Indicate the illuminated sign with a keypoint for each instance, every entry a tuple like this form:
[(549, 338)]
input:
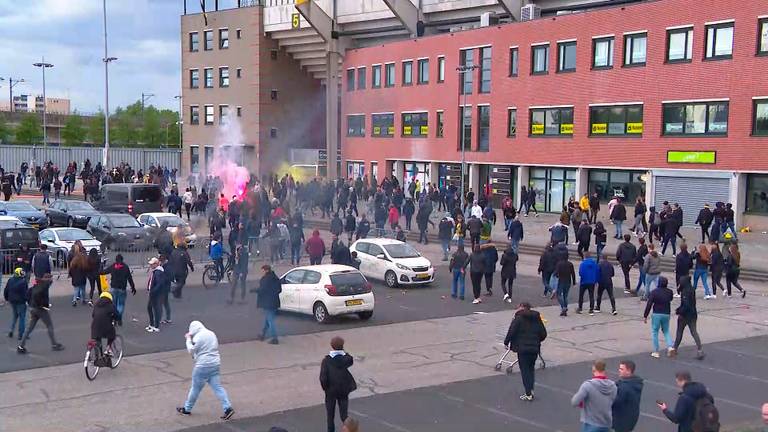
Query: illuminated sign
[(692, 157)]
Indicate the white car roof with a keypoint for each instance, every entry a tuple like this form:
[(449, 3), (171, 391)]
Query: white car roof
[(10, 218), (326, 268), (157, 214), (380, 241)]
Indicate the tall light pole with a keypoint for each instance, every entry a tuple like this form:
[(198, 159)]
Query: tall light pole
[(107, 60), (181, 121), (43, 65), (463, 69)]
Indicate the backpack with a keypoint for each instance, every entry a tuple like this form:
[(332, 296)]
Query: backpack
[(706, 418)]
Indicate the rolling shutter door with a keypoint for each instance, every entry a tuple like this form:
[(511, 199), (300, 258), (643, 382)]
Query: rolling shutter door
[(692, 193)]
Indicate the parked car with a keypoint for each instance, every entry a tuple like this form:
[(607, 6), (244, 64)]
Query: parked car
[(131, 198), (60, 240), (70, 213), (119, 231), (25, 212), (394, 262), (327, 290), (10, 221), (172, 221), (13, 235)]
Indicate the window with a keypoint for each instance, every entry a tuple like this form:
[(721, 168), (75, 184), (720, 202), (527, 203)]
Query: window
[(616, 120), (383, 125), (552, 121), (485, 70), (757, 194), (483, 127), (679, 45), (465, 129), (696, 118), (194, 41), (356, 125), (223, 38), (441, 68), (540, 59), (602, 53), (209, 114), (389, 75), (194, 78), (376, 78), (208, 77), (239, 34), (634, 49), (223, 113), (361, 78), (350, 79), (415, 125), (423, 71), (514, 61), (194, 159), (719, 41), (566, 56), (239, 111), (223, 77), (273, 94), (762, 36), (273, 132), (239, 72), (760, 120), (208, 43), (466, 58), (440, 124), (273, 54), (194, 114), (511, 122), (407, 73)]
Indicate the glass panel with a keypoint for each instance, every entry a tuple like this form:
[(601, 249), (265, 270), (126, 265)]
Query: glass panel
[(361, 78), (724, 41), (620, 176), (194, 159), (389, 73), (638, 49), (441, 69), (350, 79), (598, 176), (467, 60), (677, 45), (467, 131), (616, 125), (483, 135), (552, 122), (423, 71), (763, 35), (570, 189), (710, 41), (376, 76), (718, 118), (567, 56), (511, 122), (539, 173), (761, 117), (695, 119), (407, 73), (540, 59), (603, 53), (757, 193), (556, 173), (674, 116), (537, 122), (485, 70), (514, 61), (556, 194)]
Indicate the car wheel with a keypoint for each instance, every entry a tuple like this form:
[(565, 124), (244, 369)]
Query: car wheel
[(320, 312), (390, 278), (365, 316), (60, 260), (70, 222)]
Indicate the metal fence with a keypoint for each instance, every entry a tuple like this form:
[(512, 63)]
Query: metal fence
[(11, 156)]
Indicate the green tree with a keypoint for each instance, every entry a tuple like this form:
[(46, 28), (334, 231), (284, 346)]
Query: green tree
[(169, 119), (29, 130), (152, 131), (96, 129), (74, 132), (5, 131)]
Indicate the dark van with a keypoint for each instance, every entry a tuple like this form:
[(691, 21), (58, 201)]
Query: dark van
[(12, 237), (131, 198)]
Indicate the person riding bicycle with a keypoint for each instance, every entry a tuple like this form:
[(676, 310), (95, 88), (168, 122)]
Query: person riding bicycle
[(104, 317), (216, 253)]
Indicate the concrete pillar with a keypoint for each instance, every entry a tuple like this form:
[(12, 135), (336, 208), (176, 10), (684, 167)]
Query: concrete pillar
[(332, 108), (737, 196), (400, 171), (474, 179), (523, 176), (434, 172), (582, 182), (650, 190)]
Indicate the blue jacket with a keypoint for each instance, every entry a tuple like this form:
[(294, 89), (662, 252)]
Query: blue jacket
[(16, 290), (216, 251), (589, 272)]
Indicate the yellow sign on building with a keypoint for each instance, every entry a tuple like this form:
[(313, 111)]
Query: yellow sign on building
[(424, 130), (407, 130), (537, 129), (295, 20), (634, 128), (566, 129), (599, 128)]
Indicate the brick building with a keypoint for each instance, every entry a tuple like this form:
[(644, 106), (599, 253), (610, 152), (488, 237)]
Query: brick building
[(662, 99)]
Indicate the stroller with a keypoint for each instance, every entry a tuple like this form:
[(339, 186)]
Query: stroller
[(503, 360)]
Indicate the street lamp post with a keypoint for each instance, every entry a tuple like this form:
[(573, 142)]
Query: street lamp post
[(463, 69), (43, 65), (181, 121), (11, 84), (106, 60)]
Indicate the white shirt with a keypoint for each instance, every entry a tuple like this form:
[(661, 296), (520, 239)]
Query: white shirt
[(477, 211)]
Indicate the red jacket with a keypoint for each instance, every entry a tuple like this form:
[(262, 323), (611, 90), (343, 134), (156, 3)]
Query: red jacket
[(315, 246), (394, 215)]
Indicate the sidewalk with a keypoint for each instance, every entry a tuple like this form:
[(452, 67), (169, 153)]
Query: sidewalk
[(262, 379)]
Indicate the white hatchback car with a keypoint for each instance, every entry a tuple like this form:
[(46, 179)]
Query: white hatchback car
[(393, 261), (173, 222), (327, 290)]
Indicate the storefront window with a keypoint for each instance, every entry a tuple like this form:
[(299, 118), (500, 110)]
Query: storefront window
[(553, 187), (757, 193), (416, 171), (355, 170), (609, 183)]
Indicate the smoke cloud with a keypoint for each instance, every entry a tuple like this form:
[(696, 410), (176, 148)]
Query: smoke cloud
[(228, 157)]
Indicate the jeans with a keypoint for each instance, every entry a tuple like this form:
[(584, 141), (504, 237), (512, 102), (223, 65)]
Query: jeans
[(660, 321), (20, 315), (545, 277), (446, 244), (586, 427), (210, 375), (238, 280), (506, 285), (669, 237), (79, 293), (269, 323), (562, 294), (118, 296), (295, 253), (458, 281), (608, 288), (625, 268), (618, 224), (639, 289), (590, 290), (514, 244), (682, 322), (651, 283), (527, 364), (154, 309), (330, 409), (600, 247), (701, 273)]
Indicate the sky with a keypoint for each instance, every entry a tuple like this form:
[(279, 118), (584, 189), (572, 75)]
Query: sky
[(143, 35)]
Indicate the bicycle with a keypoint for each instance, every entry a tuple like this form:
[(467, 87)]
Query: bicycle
[(211, 276), (96, 358)]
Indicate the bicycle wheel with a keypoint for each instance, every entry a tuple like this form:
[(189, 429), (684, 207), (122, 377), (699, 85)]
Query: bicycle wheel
[(117, 351), (89, 364), (210, 278)]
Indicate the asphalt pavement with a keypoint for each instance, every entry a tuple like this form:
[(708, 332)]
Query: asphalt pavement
[(734, 373)]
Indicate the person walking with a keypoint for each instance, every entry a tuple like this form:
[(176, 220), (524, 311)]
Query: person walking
[(652, 269), (547, 263), (642, 253), (618, 216), (445, 232), (704, 221), (701, 259), (566, 278), (660, 300), (296, 235), (337, 382), (583, 237), (670, 229), (626, 406), (524, 337), (476, 272), (626, 255), (683, 263), (41, 262), (156, 286), (458, 268), (654, 225), (120, 278), (686, 317), (589, 275), (515, 232), (189, 199), (733, 269), (179, 264), (92, 274), (595, 398), (508, 272), (204, 347), (475, 228), (39, 310), (78, 272), (315, 248), (239, 274), (694, 405), (422, 220), (640, 226), (716, 267), (15, 293), (594, 208), (268, 299), (601, 237), (491, 258), (605, 284)]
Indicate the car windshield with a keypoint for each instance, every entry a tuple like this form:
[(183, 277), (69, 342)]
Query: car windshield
[(79, 205), (19, 206), (172, 221), (73, 234), (403, 250), (123, 221)]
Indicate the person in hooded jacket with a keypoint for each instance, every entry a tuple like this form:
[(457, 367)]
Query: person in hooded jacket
[(268, 299), (524, 337), (589, 275), (78, 272), (444, 233), (704, 220), (618, 216), (605, 283), (363, 228), (422, 220), (476, 272), (626, 255), (239, 274), (350, 225), (120, 279), (691, 393), (408, 211), (94, 266), (491, 258), (660, 300), (179, 265), (315, 248), (336, 381), (508, 272), (626, 406), (546, 268), (595, 398), (716, 266), (39, 306), (337, 226), (652, 269), (515, 232), (157, 285), (687, 316), (204, 347), (340, 254), (601, 237), (566, 277), (683, 263), (296, 234), (103, 317), (583, 237), (15, 293), (41, 262)]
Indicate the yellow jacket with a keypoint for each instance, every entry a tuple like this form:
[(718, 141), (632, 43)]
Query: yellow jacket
[(584, 203)]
